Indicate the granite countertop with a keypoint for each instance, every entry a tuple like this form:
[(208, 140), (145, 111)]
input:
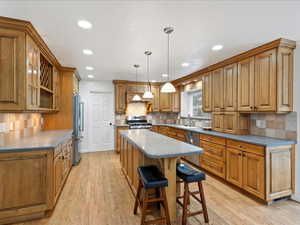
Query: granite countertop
[(41, 141), (155, 145), (251, 139), (121, 125)]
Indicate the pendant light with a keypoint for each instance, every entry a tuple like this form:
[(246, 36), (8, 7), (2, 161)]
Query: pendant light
[(148, 94), (136, 97), (168, 87)]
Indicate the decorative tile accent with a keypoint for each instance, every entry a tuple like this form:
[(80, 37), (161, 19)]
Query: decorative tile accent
[(17, 125)]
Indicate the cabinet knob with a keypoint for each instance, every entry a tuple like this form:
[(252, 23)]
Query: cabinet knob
[(240, 154)]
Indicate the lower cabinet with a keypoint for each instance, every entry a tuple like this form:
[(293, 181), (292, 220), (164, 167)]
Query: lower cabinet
[(31, 182), (118, 137)]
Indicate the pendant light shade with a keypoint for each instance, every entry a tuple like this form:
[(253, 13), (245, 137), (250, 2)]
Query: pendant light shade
[(148, 94), (136, 97), (168, 87)]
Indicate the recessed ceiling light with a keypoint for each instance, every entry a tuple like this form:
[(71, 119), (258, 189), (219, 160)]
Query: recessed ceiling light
[(153, 81), (185, 64), (89, 68), (217, 47), (165, 75), (91, 76), (84, 24), (87, 51)]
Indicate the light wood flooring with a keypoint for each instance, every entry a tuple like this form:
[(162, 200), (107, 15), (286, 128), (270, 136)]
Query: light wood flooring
[(96, 193)]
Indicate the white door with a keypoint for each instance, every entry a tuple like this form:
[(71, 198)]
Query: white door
[(100, 119)]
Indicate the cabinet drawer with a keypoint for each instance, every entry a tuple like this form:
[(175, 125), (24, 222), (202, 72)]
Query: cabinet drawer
[(213, 150), (214, 166), (256, 149), (213, 139)]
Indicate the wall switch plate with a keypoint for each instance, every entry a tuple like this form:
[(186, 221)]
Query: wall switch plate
[(261, 123)]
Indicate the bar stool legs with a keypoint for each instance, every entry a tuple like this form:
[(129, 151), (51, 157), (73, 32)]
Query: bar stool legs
[(186, 196)]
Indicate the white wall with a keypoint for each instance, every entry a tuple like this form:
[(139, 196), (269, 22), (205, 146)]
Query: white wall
[(85, 87), (297, 109)]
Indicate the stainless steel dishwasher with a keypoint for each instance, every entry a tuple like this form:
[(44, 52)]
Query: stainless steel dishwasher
[(193, 138)]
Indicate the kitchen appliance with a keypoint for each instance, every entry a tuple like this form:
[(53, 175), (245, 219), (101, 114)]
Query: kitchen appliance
[(78, 127), (138, 122)]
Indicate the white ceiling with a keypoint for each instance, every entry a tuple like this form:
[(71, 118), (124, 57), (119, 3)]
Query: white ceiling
[(123, 30)]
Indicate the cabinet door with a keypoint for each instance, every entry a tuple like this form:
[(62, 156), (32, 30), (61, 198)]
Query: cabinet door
[(285, 76), (230, 88), (12, 70), (155, 101), (265, 81), (165, 102), (176, 101), (234, 166), (207, 93), (120, 93), (246, 85), (218, 90), (58, 174), (33, 74), (218, 121), (230, 122), (254, 174)]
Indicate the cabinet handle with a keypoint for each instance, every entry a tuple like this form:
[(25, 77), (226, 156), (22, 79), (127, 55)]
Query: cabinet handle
[(240, 154), (240, 146)]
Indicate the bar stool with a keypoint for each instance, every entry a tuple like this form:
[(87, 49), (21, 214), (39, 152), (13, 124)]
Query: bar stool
[(150, 178), (187, 176)]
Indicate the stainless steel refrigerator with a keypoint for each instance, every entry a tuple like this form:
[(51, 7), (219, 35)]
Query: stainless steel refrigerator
[(78, 127)]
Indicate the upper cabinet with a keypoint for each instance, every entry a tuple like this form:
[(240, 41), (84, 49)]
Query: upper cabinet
[(246, 85), (207, 92), (161, 102), (230, 88), (218, 90), (12, 69), (29, 72)]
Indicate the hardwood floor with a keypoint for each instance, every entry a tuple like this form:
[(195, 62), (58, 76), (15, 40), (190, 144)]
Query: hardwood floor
[(96, 193)]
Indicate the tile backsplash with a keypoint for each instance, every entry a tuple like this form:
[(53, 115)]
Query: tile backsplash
[(17, 125), (154, 118), (275, 125)]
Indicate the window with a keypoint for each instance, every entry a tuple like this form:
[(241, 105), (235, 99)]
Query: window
[(191, 103)]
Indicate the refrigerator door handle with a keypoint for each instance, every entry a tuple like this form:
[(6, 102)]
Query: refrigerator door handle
[(81, 116)]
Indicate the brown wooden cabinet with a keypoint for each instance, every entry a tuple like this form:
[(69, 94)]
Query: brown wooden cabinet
[(56, 89), (31, 182), (12, 70), (207, 93), (176, 101), (246, 85), (155, 101), (120, 98), (218, 90), (118, 137), (234, 166), (230, 122), (230, 88), (165, 102), (265, 81)]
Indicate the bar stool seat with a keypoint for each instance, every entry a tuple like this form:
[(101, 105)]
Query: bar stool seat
[(188, 174), (152, 177)]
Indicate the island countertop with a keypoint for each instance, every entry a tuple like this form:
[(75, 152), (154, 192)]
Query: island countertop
[(155, 145), (43, 140)]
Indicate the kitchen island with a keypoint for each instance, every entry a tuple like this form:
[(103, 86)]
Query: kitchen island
[(142, 147)]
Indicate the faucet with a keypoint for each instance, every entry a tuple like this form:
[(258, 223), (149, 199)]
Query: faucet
[(190, 122)]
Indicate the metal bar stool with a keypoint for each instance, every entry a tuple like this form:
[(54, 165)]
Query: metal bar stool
[(187, 176), (150, 178)]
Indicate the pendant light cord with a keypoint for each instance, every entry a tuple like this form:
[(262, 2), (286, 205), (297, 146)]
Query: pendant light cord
[(148, 73), (168, 58)]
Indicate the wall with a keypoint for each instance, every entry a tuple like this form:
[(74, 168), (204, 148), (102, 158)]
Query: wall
[(85, 87), (297, 109), (17, 125)]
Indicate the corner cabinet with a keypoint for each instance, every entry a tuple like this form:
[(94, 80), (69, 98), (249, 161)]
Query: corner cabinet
[(32, 182), (26, 73)]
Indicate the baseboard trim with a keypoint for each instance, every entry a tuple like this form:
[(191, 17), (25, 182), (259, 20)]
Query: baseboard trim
[(296, 197)]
